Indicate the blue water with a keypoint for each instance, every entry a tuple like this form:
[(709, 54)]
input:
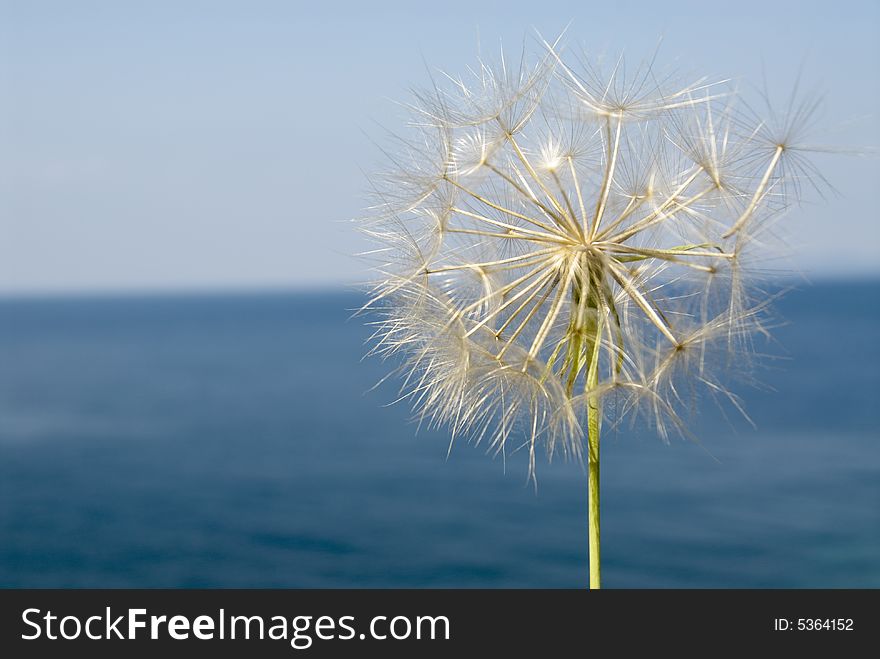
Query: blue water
[(232, 441)]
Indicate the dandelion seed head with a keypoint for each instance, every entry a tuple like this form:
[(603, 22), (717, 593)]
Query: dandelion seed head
[(554, 232)]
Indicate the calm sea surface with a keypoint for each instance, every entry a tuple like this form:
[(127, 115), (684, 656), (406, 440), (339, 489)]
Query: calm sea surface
[(232, 441)]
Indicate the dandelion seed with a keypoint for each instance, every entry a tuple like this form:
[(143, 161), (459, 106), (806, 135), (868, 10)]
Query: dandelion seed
[(554, 236)]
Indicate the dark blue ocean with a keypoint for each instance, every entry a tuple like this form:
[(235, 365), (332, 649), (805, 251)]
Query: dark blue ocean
[(232, 441)]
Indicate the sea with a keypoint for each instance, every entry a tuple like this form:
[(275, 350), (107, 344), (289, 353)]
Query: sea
[(238, 440)]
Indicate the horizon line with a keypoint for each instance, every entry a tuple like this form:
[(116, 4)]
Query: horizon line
[(236, 290)]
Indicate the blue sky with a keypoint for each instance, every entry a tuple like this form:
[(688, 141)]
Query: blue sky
[(186, 145)]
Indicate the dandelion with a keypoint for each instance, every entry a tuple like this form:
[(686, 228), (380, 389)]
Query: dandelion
[(562, 246)]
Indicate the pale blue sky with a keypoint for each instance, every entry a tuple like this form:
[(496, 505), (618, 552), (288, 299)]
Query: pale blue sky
[(157, 145)]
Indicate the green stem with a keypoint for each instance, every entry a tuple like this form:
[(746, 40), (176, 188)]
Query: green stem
[(594, 422), (593, 417), (585, 341)]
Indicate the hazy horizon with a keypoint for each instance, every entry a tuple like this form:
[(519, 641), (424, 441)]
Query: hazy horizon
[(794, 281)]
